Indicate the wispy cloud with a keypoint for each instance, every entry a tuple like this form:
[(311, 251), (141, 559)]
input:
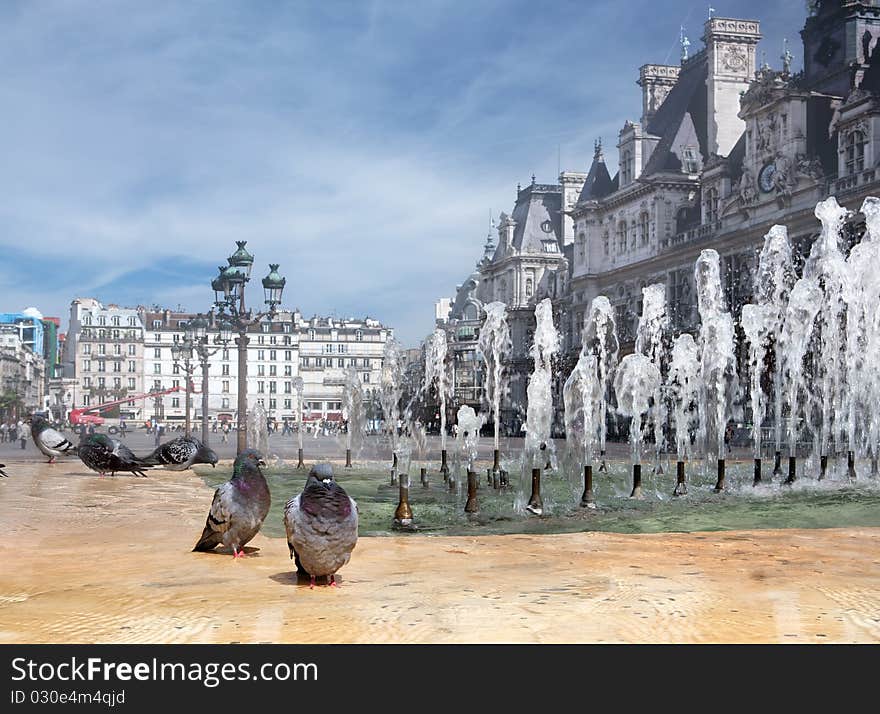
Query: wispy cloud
[(359, 144)]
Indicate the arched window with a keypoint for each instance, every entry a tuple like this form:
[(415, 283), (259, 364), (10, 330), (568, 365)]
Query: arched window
[(855, 152), (644, 228)]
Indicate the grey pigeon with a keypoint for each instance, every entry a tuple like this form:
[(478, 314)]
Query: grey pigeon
[(322, 525), (239, 508), (50, 441), (181, 453), (106, 455), (2, 472)]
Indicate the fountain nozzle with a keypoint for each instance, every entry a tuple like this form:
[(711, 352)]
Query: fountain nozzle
[(536, 504)]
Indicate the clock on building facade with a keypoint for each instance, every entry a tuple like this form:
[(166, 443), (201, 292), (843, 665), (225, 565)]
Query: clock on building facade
[(765, 178)]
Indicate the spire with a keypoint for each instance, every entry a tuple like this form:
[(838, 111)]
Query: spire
[(597, 150), (598, 183)]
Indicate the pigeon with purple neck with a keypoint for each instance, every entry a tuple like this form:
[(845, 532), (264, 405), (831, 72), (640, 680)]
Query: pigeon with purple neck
[(239, 508), (322, 526)]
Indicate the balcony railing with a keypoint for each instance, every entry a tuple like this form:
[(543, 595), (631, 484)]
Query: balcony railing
[(698, 233), (840, 186)]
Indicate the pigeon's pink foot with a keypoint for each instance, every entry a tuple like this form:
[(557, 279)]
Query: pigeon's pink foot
[(51, 459), (238, 553), (312, 583), (333, 581)]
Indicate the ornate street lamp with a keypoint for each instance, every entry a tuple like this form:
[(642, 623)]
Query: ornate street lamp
[(229, 289), (197, 333), (182, 351)]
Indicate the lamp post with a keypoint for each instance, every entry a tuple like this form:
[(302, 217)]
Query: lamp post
[(299, 386), (182, 352), (199, 327), (229, 289)]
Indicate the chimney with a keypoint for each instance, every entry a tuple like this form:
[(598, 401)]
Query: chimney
[(656, 80)]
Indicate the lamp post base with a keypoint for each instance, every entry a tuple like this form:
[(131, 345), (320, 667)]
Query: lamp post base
[(300, 464)]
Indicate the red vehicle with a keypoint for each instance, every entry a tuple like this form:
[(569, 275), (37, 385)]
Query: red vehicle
[(82, 417)]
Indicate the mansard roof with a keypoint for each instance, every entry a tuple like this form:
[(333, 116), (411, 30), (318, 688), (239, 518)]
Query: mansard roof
[(682, 119), (538, 218)]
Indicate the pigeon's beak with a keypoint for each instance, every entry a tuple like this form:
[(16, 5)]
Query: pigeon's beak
[(327, 482)]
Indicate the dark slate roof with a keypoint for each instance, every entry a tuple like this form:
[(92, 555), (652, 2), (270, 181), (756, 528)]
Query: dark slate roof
[(598, 183), (736, 158), (536, 206), (681, 120)]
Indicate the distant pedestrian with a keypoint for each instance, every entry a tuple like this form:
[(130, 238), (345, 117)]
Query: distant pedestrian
[(224, 437), (22, 434), (122, 427)]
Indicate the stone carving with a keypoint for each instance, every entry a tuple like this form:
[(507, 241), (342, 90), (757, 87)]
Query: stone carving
[(809, 167), (734, 60), (748, 190), (765, 134)]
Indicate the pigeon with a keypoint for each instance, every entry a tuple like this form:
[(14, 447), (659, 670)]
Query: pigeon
[(322, 526), (181, 453), (239, 508), (105, 455), (2, 472), (51, 442)]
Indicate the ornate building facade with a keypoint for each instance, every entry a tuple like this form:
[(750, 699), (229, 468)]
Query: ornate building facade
[(723, 150)]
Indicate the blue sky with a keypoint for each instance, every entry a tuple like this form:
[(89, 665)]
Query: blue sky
[(362, 145)]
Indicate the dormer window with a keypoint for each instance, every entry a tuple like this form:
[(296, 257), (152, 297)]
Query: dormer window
[(550, 246), (691, 163)]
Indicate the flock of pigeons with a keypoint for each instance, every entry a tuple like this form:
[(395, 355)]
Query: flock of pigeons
[(321, 522)]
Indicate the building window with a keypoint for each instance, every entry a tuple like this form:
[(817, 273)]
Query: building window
[(359, 336), (621, 236), (157, 324), (157, 352), (287, 339), (117, 366), (273, 387), (101, 382), (266, 327), (644, 228), (272, 403), (87, 382), (175, 402), (224, 403), (102, 349), (288, 370), (366, 377), (273, 355), (225, 388), (530, 287), (288, 387), (157, 368), (712, 205), (132, 366), (286, 328), (261, 387), (102, 366), (114, 320), (288, 355), (102, 320), (261, 354), (117, 383), (319, 362), (117, 349), (131, 383), (273, 340), (272, 370), (87, 349), (691, 163), (225, 370), (287, 403), (855, 152), (86, 400), (132, 321), (626, 172)]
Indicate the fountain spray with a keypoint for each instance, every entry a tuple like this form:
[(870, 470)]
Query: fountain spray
[(636, 381), (389, 397), (494, 346), (718, 378), (353, 405), (539, 413), (684, 371), (436, 374)]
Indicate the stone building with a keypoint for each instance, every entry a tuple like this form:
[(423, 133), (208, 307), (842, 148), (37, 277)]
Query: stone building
[(22, 374), (317, 349), (723, 150), (104, 353)]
